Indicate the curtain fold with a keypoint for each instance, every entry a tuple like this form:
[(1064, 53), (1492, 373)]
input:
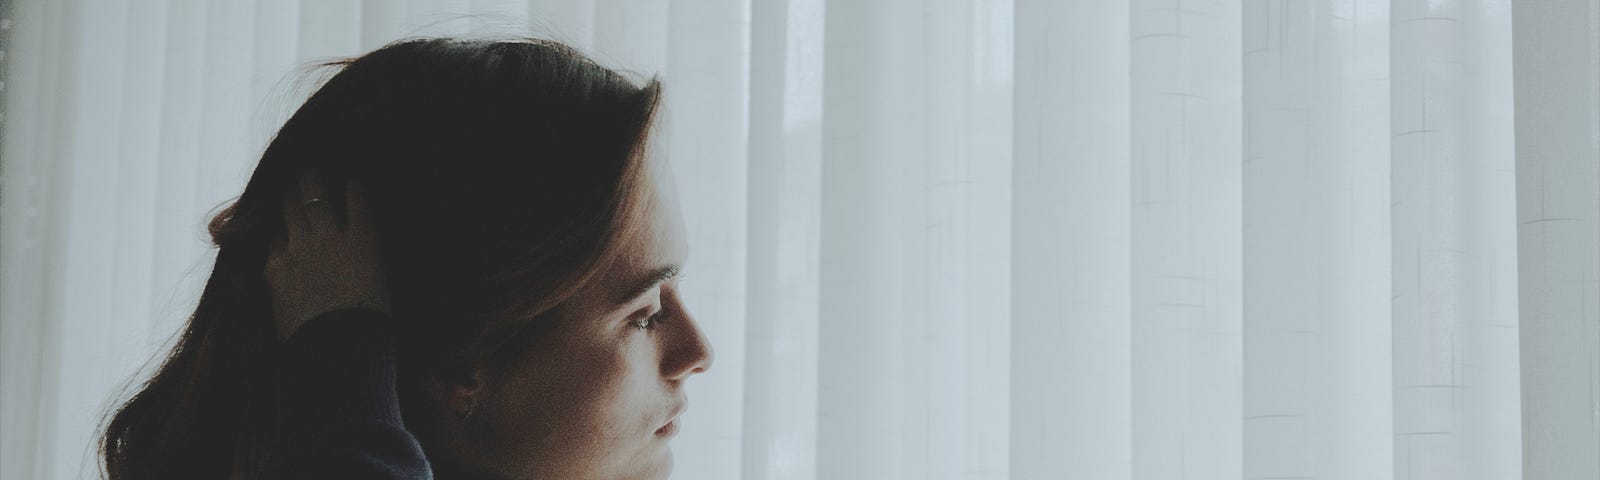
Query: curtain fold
[(1455, 393), (1317, 322), (1071, 301), (1186, 224), (1556, 67), (944, 239), (779, 429)]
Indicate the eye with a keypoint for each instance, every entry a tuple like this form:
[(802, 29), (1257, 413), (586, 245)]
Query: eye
[(649, 323)]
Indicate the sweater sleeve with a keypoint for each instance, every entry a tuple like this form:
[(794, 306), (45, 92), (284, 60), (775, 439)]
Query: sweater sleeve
[(338, 410)]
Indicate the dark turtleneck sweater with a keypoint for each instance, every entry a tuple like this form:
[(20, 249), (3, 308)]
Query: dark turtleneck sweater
[(339, 412)]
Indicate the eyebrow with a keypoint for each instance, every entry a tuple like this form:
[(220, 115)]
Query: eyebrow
[(660, 274)]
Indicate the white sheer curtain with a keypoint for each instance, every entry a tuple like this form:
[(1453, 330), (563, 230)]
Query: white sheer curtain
[(945, 239)]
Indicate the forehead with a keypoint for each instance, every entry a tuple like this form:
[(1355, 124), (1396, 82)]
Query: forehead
[(658, 241)]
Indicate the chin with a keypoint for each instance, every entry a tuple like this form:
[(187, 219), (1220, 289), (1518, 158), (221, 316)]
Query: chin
[(662, 467), (656, 465), (666, 464)]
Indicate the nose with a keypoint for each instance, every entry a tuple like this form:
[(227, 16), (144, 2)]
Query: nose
[(690, 352)]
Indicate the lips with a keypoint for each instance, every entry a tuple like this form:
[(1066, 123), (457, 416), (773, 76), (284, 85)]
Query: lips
[(669, 429), (672, 419)]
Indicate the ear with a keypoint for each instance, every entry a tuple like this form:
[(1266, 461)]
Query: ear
[(458, 389)]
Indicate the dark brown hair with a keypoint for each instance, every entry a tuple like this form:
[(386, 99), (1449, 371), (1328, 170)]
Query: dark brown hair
[(500, 174)]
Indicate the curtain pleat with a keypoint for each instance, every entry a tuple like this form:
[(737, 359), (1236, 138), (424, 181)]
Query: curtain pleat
[(871, 103), (1316, 241), (80, 339), (26, 233), (1071, 301), (779, 429), (1556, 60), (1456, 399), (1186, 256), (178, 257)]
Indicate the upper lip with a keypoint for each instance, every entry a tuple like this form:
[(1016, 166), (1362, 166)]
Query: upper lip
[(676, 411)]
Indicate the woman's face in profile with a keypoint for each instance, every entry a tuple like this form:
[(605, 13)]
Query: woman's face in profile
[(594, 398)]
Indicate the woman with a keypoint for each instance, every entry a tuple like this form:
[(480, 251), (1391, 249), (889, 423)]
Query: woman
[(523, 321)]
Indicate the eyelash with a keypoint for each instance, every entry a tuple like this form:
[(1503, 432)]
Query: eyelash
[(650, 322)]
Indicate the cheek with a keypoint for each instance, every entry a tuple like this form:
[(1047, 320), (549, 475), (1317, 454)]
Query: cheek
[(584, 407)]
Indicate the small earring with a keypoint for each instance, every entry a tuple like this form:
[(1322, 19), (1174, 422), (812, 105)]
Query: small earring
[(465, 414)]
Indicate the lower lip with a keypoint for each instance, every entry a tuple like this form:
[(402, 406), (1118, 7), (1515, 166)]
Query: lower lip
[(669, 429)]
